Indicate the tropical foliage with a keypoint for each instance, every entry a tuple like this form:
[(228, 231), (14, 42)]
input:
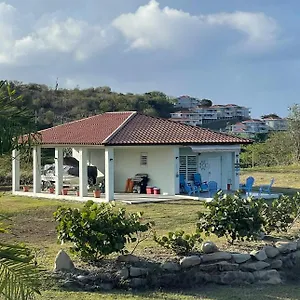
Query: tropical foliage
[(98, 230)]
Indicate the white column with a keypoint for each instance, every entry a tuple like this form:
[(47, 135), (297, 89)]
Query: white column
[(58, 170), (176, 170), (83, 175), (15, 171), (109, 174), (36, 169), (236, 170)]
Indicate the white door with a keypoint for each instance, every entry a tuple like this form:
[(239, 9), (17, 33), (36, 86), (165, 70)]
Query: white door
[(214, 170)]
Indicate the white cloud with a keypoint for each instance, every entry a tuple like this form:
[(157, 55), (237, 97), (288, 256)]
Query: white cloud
[(151, 27)]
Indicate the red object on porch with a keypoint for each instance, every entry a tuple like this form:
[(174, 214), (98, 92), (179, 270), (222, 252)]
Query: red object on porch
[(64, 191), (228, 186), (149, 190), (156, 191)]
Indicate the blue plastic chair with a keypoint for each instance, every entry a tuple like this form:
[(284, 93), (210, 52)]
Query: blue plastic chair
[(266, 188), (186, 187), (202, 186), (247, 187), (212, 188)]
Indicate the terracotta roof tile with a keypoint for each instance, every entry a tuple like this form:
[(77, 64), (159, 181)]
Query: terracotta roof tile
[(93, 130), (142, 129), (130, 128)]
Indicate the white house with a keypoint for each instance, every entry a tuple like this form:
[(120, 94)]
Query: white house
[(276, 124), (122, 144)]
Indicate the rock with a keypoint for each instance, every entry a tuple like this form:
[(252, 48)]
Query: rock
[(276, 264), (123, 274), (267, 276), (106, 286), (240, 258), (202, 277), (170, 266), (71, 284), (216, 256), (271, 251), (128, 258), (298, 244), (226, 266), (137, 272), (138, 282), (288, 261), (236, 277), (286, 246), (297, 254), (209, 247), (259, 255), (63, 262), (85, 278), (190, 261), (255, 266)]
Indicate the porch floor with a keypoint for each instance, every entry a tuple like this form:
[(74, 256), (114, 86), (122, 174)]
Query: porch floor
[(133, 198)]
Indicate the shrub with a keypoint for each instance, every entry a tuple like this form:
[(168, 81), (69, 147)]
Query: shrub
[(233, 217), (98, 230), (179, 242), (281, 213)]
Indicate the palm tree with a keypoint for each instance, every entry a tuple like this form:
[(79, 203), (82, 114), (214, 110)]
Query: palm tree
[(19, 276)]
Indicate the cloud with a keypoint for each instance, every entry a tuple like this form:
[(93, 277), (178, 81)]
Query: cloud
[(151, 27), (70, 36)]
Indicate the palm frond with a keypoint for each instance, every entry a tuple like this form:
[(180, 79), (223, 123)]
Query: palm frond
[(19, 277)]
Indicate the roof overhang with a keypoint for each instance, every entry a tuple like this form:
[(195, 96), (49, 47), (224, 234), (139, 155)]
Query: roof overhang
[(215, 148)]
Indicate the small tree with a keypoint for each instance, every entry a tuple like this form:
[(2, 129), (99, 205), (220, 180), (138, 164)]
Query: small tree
[(294, 130)]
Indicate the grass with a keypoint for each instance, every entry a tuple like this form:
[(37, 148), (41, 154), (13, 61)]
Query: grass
[(32, 223)]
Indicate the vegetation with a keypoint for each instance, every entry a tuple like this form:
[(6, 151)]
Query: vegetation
[(179, 242), (56, 106), (97, 230), (233, 217)]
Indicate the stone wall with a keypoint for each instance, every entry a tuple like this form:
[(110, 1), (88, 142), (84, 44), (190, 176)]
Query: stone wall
[(267, 266)]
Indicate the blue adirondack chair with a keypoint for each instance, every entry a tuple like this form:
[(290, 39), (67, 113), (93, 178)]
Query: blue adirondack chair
[(186, 187), (202, 186), (247, 187), (266, 188), (212, 188)]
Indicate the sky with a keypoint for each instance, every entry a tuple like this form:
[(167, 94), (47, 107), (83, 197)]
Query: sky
[(234, 51)]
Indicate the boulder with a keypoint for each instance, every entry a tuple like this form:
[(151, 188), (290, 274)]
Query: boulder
[(271, 251), (236, 277), (128, 258), (298, 244), (216, 256), (63, 262), (259, 255), (240, 258), (276, 264), (137, 272), (286, 246), (190, 261), (170, 266), (255, 266), (123, 273), (209, 247), (267, 276), (138, 282)]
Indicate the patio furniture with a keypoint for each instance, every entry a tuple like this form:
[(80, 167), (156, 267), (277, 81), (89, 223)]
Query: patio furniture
[(186, 187), (212, 188), (266, 188), (202, 186), (247, 187)]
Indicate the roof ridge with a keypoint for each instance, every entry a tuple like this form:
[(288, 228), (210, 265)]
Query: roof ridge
[(133, 113)]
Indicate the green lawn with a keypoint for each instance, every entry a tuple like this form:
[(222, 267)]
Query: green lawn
[(32, 223)]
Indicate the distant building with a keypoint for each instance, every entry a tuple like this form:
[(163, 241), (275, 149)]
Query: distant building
[(277, 124), (193, 113), (250, 127)]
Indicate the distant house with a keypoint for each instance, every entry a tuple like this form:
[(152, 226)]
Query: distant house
[(122, 144), (276, 124)]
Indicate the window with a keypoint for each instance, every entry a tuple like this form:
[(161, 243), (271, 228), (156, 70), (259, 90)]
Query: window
[(188, 166), (144, 159)]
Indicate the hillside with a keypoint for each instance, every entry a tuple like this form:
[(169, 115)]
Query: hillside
[(53, 107)]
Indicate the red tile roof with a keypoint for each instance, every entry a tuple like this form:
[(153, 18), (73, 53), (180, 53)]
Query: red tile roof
[(131, 128), (92, 131)]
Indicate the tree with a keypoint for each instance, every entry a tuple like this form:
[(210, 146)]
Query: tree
[(294, 130), (19, 276), (206, 102), (275, 116)]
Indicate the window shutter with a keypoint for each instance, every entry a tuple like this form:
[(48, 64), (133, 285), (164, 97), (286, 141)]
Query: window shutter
[(144, 159)]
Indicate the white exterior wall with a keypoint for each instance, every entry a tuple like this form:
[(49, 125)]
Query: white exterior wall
[(226, 166), (161, 167)]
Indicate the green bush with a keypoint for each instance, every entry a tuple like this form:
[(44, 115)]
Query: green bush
[(281, 213), (179, 242), (233, 217), (98, 230)]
